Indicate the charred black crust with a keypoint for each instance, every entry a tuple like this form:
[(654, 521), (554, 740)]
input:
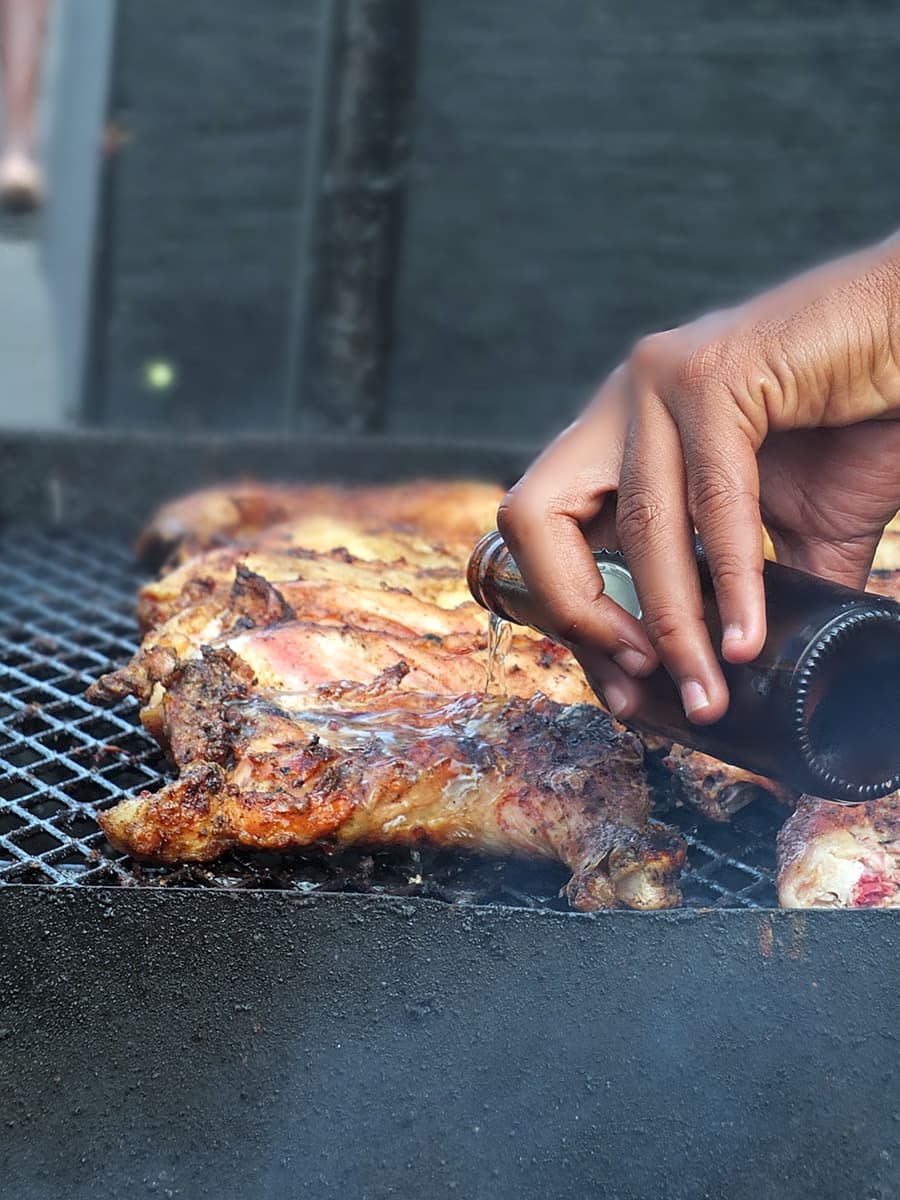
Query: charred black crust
[(208, 688), (255, 603)]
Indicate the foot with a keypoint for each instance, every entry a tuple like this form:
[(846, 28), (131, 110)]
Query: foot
[(21, 183)]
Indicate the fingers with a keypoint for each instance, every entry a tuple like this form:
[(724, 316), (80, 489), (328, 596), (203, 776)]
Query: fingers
[(600, 533), (543, 520), (656, 534), (684, 459), (723, 499), (545, 536), (618, 692)]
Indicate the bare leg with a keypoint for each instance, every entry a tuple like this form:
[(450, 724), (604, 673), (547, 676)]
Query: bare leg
[(22, 27)]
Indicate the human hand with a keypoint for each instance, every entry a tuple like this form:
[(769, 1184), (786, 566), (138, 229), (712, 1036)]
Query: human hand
[(778, 410)]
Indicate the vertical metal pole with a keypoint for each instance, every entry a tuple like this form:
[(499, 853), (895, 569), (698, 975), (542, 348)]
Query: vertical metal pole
[(343, 315)]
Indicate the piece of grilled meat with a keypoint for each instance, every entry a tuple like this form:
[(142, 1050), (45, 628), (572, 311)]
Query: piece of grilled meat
[(840, 856), (457, 511), (714, 789), (358, 587), (341, 553), (307, 632), (377, 765), (324, 681)]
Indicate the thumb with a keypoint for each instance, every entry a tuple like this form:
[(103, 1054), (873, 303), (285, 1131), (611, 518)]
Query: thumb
[(847, 562)]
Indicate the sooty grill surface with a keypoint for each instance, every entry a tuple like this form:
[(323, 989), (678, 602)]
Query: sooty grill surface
[(66, 605)]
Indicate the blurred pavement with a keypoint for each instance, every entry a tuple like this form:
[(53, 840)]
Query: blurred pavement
[(28, 383), (28, 375), (45, 260)]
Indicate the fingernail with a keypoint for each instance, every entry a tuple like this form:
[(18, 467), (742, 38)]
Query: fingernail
[(615, 698), (693, 696), (732, 635), (631, 661)]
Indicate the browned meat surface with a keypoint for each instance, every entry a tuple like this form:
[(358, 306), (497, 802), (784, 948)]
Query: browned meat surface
[(714, 789), (306, 633), (841, 856), (375, 765), (379, 559), (453, 511), (342, 596)]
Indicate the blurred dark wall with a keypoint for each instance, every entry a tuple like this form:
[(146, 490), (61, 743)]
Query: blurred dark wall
[(581, 173), (203, 200), (585, 172)]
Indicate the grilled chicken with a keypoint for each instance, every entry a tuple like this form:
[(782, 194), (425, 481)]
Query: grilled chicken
[(714, 789), (335, 571), (456, 512), (377, 765), (841, 856), (339, 553)]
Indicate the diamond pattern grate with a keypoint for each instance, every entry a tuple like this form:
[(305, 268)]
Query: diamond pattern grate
[(66, 604)]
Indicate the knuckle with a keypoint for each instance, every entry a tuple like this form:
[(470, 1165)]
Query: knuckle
[(712, 363), (664, 625), (728, 568), (711, 486), (579, 497), (638, 512), (517, 514), (648, 352)]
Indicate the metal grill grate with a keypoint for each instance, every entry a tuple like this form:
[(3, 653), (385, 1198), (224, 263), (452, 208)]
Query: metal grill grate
[(66, 604)]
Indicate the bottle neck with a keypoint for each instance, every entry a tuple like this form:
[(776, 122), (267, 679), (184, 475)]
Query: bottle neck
[(496, 582)]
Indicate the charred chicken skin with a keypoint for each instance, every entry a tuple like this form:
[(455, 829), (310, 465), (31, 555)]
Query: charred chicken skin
[(375, 765), (714, 789)]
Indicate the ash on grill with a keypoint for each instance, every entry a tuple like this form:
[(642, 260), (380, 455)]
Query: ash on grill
[(66, 605)]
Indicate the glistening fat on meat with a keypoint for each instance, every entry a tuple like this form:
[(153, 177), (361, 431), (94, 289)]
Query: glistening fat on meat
[(375, 765)]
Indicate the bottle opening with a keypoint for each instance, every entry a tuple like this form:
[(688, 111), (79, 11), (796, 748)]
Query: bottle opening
[(850, 707)]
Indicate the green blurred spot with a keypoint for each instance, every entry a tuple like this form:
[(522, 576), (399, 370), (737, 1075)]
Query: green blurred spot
[(159, 375)]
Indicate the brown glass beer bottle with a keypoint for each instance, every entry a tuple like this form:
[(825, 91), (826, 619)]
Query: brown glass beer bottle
[(819, 709)]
